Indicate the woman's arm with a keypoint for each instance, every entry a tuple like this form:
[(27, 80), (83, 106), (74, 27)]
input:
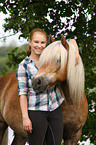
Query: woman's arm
[(76, 52), (27, 124)]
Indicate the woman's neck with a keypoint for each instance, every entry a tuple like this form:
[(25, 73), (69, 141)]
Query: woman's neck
[(35, 58)]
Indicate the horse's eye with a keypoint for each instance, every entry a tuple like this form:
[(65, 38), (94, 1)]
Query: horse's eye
[(58, 60)]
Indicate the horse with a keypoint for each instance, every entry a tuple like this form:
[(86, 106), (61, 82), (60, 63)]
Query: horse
[(57, 66), (10, 112), (74, 111)]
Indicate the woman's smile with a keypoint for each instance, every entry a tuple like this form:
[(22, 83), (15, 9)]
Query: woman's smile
[(38, 43)]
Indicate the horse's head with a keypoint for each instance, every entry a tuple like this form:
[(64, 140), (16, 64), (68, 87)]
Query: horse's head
[(53, 65)]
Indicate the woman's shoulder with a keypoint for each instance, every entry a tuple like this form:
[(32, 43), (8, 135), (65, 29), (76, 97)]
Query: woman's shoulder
[(25, 61)]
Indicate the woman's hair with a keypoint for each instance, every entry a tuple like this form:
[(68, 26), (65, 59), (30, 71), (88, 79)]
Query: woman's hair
[(28, 50)]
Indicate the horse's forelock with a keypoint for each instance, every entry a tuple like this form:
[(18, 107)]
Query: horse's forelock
[(53, 51)]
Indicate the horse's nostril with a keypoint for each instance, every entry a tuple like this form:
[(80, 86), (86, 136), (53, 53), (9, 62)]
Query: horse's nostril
[(38, 81)]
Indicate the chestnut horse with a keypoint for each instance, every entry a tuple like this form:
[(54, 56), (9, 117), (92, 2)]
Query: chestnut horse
[(74, 107), (10, 113), (57, 66)]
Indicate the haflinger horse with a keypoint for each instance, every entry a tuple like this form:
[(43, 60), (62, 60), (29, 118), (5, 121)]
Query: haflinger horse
[(10, 112), (57, 66)]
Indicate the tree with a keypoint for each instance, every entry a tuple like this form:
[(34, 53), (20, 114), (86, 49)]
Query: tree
[(73, 18)]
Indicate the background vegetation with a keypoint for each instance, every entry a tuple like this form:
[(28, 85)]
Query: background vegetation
[(7, 56), (73, 18)]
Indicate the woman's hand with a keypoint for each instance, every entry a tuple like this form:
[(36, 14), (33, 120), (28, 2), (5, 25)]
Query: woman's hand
[(76, 57), (27, 125), (76, 50)]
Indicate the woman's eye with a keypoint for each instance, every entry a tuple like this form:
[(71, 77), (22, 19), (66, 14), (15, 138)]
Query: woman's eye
[(42, 42), (36, 41)]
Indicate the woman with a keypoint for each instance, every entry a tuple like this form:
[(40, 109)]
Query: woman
[(39, 110)]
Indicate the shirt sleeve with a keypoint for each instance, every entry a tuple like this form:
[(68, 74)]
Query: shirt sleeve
[(22, 79)]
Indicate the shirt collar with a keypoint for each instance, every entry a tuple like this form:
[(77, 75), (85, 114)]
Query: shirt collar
[(28, 60)]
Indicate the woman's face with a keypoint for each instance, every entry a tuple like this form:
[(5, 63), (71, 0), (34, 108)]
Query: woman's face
[(38, 43)]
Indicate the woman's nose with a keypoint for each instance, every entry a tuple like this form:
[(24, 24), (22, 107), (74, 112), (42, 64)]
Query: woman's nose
[(39, 45)]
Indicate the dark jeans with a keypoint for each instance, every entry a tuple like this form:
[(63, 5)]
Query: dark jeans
[(46, 125)]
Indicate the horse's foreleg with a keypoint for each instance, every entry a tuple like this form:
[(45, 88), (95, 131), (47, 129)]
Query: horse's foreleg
[(70, 142), (75, 138), (67, 142), (5, 138), (3, 127), (18, 140)]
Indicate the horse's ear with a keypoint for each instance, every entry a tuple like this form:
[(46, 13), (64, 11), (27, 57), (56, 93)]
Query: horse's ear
[(64, 42), (51, 39)]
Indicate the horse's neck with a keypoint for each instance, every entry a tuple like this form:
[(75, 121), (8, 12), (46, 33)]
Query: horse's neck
[(65, 89)]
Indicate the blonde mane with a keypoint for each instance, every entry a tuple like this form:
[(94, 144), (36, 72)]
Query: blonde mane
[(75, 73), (53, 52)]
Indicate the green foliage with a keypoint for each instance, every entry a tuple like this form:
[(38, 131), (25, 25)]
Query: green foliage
[(3, 66), (15, 57), (26, 15), (10, 57), (73, 18), (89, 130), (3, 58)]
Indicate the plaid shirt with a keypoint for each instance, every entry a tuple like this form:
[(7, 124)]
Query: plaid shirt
[(47, 101)]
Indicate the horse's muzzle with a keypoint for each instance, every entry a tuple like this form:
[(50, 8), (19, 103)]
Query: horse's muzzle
[(40, 84)]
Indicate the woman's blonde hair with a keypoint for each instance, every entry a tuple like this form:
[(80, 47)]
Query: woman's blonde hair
[(28, 50)]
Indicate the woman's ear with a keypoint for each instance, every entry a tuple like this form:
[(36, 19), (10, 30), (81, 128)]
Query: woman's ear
[(29, 42), (51, 39)]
